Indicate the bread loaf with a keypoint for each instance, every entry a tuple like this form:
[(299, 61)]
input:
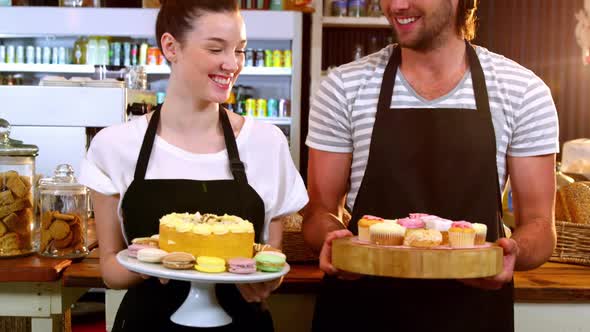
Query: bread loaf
[(573, 203)]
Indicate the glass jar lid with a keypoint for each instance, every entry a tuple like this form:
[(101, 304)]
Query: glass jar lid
[(12, 147), (63, 178)]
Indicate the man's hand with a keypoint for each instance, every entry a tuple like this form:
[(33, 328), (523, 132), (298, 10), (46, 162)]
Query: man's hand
[(258, 292), (326, 256), (493, 283)]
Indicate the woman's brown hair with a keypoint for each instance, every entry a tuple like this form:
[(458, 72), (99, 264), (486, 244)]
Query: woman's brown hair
[(176, 16), (466, 18)]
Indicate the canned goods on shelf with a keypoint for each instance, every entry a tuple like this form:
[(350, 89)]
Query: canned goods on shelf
[(20, 54), (30, 54), (284, 108), (273, 108), (251, 107), (61, 55), (259, 57), (261, 107), (2, 54), (249, 58), (153, 54), (287, 59), (268, 59), (38, 54), (277, 58)]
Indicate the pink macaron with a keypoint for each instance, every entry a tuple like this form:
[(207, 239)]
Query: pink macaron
[(134, 248), (242, 265)]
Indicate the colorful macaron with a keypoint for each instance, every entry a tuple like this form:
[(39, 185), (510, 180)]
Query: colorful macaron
[(269, 262), (146, 241), (241, 265), (151, 255), (179, 261), (209, 264), (134, 248)]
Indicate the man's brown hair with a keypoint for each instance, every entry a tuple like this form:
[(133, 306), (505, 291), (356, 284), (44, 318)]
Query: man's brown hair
[(466, 18)]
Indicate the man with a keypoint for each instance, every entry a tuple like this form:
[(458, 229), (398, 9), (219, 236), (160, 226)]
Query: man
[(433, 125)]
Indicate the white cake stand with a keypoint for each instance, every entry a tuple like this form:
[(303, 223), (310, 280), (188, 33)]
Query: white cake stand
[(201, 308)]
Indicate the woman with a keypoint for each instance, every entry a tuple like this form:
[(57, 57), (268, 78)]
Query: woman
[(192, 155)]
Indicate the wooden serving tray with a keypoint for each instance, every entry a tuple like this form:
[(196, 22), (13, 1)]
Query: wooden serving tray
[(353, 255)]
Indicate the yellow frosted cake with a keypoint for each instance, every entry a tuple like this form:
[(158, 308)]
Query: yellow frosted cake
[(207, 235)]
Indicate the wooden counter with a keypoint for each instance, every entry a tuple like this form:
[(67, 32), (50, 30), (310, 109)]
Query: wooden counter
[(550, 283)]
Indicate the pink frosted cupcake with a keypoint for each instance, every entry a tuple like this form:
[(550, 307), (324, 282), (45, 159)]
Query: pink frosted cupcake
[(439, 224), (418, 215), (411, 224), (461, 235)]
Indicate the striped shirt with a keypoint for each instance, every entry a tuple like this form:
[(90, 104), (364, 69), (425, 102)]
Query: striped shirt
[(343, 110)]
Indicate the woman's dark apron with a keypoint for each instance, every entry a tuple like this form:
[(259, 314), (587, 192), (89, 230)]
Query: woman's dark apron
[(436, 161), (149, 305)]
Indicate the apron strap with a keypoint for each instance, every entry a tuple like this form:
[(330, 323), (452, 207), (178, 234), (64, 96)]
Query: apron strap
[(236, 165), (483, 106), (146, 146)]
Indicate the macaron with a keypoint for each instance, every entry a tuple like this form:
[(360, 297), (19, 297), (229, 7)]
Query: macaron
[(134, 248), (210, 264), (179, 261), (267, 262), (242, 265), (147, 241), (151, 255)]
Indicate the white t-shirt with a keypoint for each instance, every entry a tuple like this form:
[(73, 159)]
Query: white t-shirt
[(109, 165), (343, 110)]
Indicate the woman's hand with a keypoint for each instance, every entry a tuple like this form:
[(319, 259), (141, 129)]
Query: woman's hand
[(258, 292), (162, 280)]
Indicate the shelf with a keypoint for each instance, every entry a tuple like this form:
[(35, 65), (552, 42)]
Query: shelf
[(358, 22), (42, 68), (152, 70), (126, 22), (276, 121)]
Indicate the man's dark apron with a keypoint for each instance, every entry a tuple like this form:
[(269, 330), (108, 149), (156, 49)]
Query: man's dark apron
[(149, 305), (436, 161)]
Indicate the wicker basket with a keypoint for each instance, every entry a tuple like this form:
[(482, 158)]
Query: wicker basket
[(573, 243), (293, 245)]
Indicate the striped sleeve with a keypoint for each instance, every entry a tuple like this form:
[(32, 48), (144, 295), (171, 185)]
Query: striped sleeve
[(536, 127), (330, 127)]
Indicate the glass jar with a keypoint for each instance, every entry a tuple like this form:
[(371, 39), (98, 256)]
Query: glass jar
[(17, 169), (63, 210)]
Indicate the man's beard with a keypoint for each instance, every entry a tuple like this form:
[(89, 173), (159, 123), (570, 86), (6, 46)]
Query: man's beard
[(432, 35)]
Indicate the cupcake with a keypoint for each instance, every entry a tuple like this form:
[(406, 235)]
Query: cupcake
[(439, 224), (364, 223), (388, 234), (411, 224), (481, 231), (418, 215), (423, 238), (461, 235)]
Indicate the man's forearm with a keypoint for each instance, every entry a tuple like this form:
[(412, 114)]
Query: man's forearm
[(536, 241), (316, 224)]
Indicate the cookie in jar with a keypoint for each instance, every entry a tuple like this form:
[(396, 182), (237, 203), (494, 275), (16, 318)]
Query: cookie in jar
[(63, 213), (17, 169)]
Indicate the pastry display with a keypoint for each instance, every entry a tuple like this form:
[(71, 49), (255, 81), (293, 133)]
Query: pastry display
[(421, 230), (16, 214), (224, 236), (61, 232)]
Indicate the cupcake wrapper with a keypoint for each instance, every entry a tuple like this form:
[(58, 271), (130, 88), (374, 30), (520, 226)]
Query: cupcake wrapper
[(364, 234), (461, 240), (445, 238), (387, 239), (480, 239)]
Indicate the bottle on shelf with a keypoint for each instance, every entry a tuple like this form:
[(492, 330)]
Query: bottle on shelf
[(103, 51), (92, 51), (80, 51), (374, 9), (356, 8)]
